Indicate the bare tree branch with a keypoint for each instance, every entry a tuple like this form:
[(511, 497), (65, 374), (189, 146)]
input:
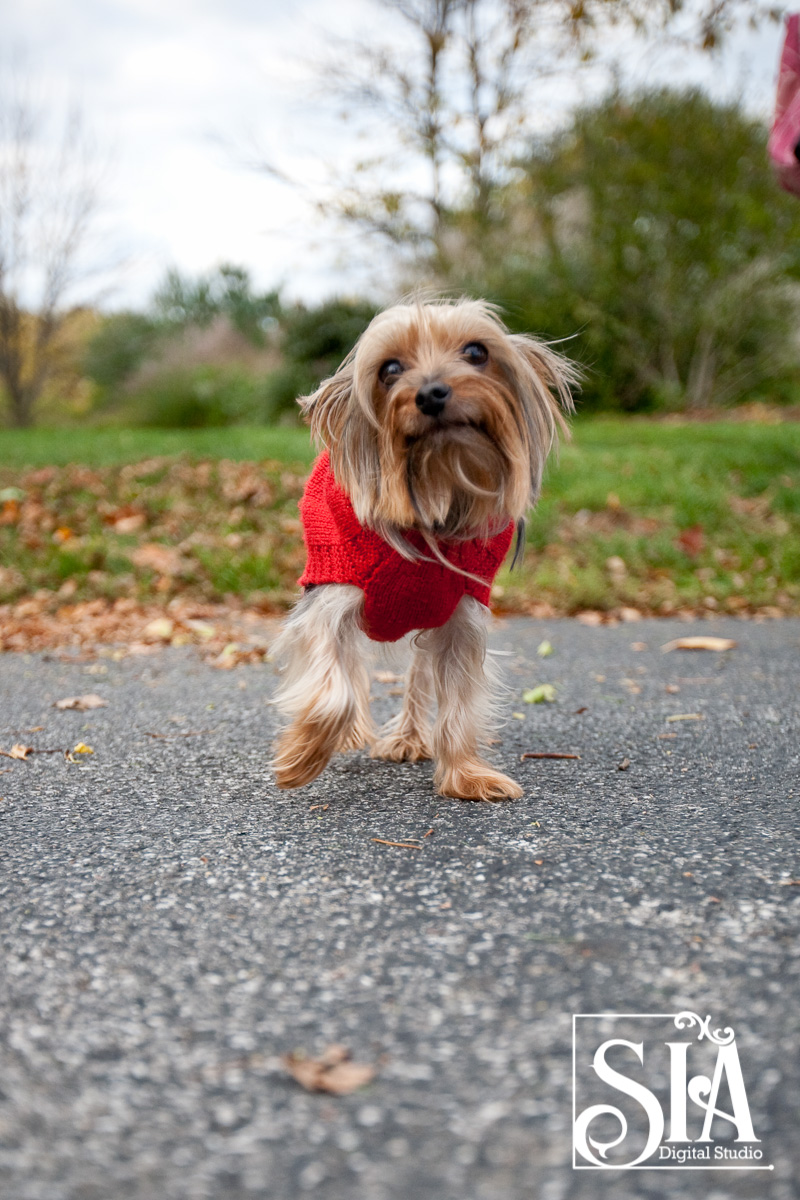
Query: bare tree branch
[(48, 200), (454, 92)]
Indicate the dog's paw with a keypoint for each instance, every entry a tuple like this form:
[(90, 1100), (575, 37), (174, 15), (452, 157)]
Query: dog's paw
[(476, 780), (301, 755), (399, 746)]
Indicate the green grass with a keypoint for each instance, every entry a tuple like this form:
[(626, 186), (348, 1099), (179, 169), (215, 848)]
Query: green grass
[(110, 447), (631, 490), (650, 515)]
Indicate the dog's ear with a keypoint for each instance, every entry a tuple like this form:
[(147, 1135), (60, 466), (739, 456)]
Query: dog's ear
[(342, 424), (326, 408), (543, 381), (558, 374)]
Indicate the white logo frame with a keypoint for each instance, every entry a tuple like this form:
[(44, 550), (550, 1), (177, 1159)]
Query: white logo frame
[(727, 1063)]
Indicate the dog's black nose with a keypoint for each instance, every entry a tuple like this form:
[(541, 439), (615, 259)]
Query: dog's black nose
[(432, 397)]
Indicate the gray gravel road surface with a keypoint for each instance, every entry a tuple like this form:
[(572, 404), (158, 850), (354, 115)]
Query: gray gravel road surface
[(171, 925)]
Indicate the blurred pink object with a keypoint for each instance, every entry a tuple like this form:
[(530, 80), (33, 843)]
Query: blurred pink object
[(785, 133)]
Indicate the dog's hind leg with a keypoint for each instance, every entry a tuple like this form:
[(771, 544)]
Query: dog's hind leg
[(407, 737), (325, 686), (465, 692)]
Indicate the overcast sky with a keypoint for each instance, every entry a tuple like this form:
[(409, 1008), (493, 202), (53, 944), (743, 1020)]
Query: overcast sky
[(177, 90)]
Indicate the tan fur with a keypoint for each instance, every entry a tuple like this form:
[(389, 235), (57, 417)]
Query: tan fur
[(325, 686), (464, 473), (466, 693), (407, 737)]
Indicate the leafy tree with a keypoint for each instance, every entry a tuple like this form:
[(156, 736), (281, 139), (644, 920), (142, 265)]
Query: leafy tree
[(657, 234), (225, 291), (451, 100)]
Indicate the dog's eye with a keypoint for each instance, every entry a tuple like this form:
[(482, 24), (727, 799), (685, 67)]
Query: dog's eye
[(475, 353), (390, 370)]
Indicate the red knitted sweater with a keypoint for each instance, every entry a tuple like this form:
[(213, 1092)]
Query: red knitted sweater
[(398, 595)]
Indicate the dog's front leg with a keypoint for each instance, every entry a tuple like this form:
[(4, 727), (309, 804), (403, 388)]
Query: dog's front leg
[(466, 704), (407, 737), (325, 686)]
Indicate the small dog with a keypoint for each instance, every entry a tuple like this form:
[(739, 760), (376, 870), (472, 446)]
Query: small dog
[(437, 427)]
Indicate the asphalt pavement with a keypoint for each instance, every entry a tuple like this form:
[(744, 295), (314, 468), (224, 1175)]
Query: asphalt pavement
[(171, 925)]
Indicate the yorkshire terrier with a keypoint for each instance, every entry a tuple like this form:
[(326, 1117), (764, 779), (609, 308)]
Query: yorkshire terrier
[(435, 430)]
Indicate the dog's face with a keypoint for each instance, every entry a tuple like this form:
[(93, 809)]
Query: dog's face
[(441, 419)]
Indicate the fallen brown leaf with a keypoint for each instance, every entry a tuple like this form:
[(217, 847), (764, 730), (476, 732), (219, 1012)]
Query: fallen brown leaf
[(233, 654), (589, 617), (332, 1072), (790, 883), (686, 717), (82, 703), (129, 524), (154, 556), (161, 629), (623, 766), (18, 750), (699, 643), (113, 628), (691, 540)]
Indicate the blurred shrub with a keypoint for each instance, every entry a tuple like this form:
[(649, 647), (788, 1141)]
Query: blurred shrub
[(211, 352), (201, 396), (652, 234), (282, 388), (312, 341), (118, 348), (320, 337), (198, 356)]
